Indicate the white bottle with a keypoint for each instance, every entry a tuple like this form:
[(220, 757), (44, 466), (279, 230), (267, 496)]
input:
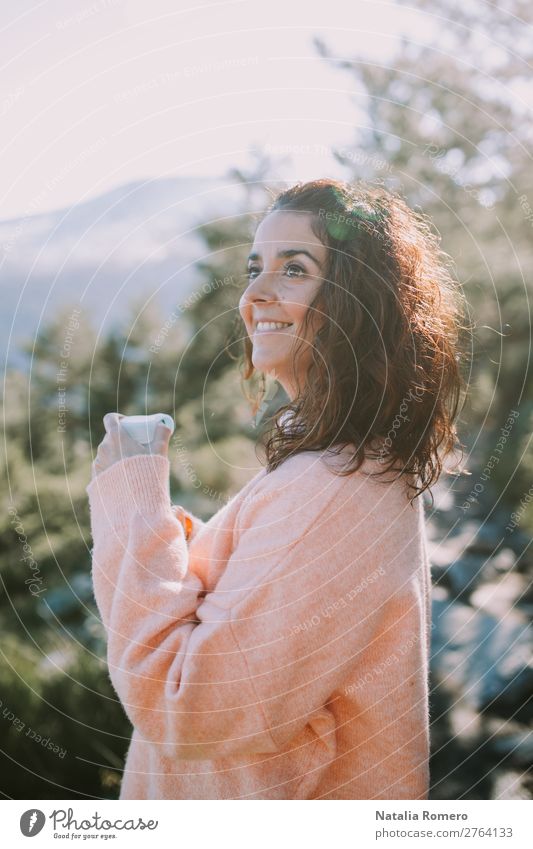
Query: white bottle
[(142, 428)]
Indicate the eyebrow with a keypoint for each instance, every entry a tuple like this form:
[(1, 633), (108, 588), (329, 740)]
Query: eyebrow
[(287, 253)]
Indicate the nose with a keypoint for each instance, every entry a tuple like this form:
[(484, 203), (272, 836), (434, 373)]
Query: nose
[(260, 288)]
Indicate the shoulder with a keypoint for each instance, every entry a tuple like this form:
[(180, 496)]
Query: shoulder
[(309, 484), (301, 479), (349, 525)]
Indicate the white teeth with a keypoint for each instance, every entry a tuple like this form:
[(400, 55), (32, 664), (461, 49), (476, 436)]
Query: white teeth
[(272, 325)]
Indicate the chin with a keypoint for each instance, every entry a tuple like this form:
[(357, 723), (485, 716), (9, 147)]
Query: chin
[(265, 365)]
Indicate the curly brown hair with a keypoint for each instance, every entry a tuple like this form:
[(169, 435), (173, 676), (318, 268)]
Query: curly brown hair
[(390, 344)]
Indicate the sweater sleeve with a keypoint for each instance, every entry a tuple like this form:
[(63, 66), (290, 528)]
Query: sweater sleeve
[(241, 671), (192, 524)]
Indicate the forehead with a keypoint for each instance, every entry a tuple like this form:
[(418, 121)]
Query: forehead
[(284, 229)]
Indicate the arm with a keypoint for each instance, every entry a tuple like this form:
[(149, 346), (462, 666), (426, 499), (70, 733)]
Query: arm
[(241, 672), (175, 692)]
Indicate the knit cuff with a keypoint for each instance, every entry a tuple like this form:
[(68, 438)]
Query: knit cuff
[(138, 484)]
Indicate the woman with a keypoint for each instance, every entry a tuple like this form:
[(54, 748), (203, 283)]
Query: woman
[(280, 650)]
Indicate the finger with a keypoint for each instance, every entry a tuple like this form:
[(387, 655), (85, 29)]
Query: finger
[(111, 421), (184, 518), (161, 438), (102, 455)]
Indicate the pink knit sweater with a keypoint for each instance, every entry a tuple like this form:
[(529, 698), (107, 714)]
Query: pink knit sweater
[(282, 653)]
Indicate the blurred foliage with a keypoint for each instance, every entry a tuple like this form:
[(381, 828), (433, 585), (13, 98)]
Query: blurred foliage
[(436, 122), (54, 677)]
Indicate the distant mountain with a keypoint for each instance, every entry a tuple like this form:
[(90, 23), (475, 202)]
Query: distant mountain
[(134, 240)]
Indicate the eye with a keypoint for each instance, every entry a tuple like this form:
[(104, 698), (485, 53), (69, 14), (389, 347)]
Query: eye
[(296, 266), (253, 270)]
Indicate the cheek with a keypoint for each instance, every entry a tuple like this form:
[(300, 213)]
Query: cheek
[(244, 310), (297, 309), (302, 318), (318, 315)]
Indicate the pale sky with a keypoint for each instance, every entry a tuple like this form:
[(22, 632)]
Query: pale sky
[(96, 93)]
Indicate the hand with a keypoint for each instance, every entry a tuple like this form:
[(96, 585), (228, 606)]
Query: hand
[(117, 444), (185, 518)]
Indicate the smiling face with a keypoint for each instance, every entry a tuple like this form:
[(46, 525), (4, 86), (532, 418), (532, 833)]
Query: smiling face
[(285, 271)]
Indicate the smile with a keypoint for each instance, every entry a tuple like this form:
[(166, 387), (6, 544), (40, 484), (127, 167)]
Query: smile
[(269, 326)]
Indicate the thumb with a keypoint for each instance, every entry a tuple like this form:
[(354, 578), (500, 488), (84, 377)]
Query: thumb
[(161, 439)]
